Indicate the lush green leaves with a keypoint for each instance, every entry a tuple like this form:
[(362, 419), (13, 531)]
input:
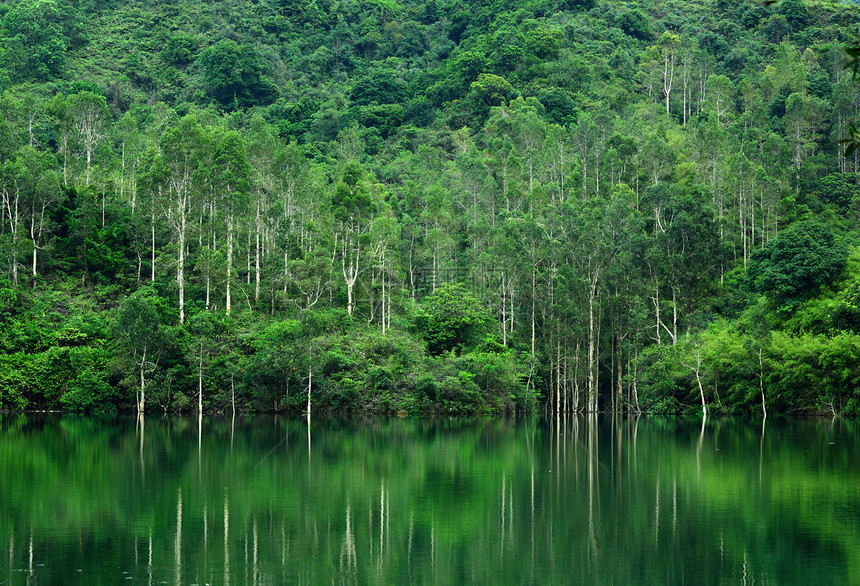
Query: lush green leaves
[(235, 75), (37, 44), (451, 319), (797, 263)]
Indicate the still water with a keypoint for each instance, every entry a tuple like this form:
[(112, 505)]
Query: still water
[(572, 500)]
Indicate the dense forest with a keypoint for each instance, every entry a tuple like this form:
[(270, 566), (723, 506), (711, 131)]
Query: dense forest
[(429, 206)]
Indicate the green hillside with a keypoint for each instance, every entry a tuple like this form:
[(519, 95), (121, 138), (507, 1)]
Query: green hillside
[(429, 206)]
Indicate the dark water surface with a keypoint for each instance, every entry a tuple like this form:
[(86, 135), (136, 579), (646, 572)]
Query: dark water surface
[(270, 500)]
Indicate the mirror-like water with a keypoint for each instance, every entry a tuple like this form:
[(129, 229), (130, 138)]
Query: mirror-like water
[(275, 501)]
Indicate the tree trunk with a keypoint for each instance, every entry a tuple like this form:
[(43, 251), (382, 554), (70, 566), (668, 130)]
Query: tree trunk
[(592, 391), (674, 315), (142, 403), (534, 294), (152, 224), (89, 150), (310, 380), (619, 389), (257, 259), (350, 273), (229, 260), (697, 370), (180, 269), (761, 383), (33, 235), (200, 382)]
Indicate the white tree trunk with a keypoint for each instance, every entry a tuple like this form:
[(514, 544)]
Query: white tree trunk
[(229, 260), (142, 404), (200, 382), (180, 269)]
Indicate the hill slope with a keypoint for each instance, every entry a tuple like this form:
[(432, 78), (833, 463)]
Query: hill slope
[(428, 206)]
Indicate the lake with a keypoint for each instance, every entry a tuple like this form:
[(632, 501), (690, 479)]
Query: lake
[(273, 500)]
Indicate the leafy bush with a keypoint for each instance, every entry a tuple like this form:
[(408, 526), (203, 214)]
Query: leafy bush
[(90, 392), (451, 319), (796, 263)]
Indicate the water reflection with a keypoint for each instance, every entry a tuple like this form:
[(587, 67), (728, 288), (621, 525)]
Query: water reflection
[(561, 500)]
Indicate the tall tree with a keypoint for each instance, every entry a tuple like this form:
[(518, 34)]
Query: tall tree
[(231, 172), (182, 148), (353, 210), (90, 118), (140, 336)]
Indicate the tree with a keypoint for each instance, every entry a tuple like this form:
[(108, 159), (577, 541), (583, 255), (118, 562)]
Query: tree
[(796, 263), (682, 251), (201, 344), (492, 90), (795, 12), (720, 96), (41, 185), (803, 117), (11, 214), (381, 86), (29, 186), (181, 147), (234, 75), (759, 336), (231, 171), (451, 319), (90, 116), (139, 336), (153, 177), (666, 55), (353, 209), (278, 354), (263, 152), (634, 23), (384, 234)]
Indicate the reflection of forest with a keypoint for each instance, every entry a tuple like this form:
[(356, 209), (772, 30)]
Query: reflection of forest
[(558, 500)]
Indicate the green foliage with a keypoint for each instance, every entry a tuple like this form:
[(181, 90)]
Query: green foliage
[(180, 50), (451, 319), (661, 378), (387, 118), (795, 12), (839, 189), (634, 23), (96, 250), (558, 105), (235, 76), (382, 86), (797, 263), (44, 378), (137, 330), (491, 90), (277, 359), (35, 36), (14, 381), (352, 172), (90, 392)]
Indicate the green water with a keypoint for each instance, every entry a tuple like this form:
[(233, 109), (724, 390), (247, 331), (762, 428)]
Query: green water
[(522, 501)]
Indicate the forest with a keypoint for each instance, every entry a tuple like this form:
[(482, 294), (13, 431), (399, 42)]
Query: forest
[(427, 207)]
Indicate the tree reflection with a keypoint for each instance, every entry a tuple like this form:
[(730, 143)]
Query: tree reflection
[(570, 498)]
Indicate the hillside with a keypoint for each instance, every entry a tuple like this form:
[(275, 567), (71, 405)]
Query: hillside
[(429, 206)]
